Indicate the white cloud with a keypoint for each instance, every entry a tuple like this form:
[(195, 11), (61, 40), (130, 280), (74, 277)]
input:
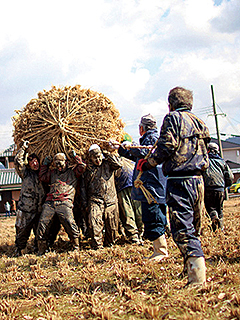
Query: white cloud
[(133, 51)]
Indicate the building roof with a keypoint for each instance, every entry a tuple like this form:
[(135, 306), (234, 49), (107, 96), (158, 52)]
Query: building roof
[(9, 152), (235, 139), (234, 166), (227, 144), (9, 178)]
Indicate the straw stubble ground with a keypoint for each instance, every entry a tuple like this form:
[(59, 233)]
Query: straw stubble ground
[(116, 283)]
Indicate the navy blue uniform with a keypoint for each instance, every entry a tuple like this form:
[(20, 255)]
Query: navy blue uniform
[(215, 185), (182, 150), (154, 214)]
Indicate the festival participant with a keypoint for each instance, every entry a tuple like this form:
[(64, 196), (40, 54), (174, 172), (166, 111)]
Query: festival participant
[(217, 177), (99, 197), (59, 200), (130, 211), (153, 214), (182, 149), (30, 200)]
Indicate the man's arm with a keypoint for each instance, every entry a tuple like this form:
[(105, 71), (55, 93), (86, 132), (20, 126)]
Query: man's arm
[(19, 160), (45, 172), (80, 167)]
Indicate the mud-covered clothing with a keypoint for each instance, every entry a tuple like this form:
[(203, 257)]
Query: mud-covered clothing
[(79, 212), (25, 223), (214, 182), (98, 181), (154, 181), (62, 184), (185, 202), (99, 196), (214, 174), (213, 200), (182, 148), (32, 192), (59, 200), (30, 201), (100, 218), (130, 211), (182, 143), (64, 211)]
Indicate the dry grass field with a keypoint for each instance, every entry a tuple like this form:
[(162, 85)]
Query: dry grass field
[(117, 283)]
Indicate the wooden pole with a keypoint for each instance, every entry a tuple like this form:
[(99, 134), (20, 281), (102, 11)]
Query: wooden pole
[(216, 122)]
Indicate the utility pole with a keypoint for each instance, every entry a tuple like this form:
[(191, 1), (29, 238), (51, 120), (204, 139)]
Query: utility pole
[(216, 122), (218, 136)]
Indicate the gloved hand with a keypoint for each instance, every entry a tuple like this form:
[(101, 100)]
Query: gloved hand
[(126, 144), (113, 144), (142, 165), (47, 160), (25, 144), (73, 153)]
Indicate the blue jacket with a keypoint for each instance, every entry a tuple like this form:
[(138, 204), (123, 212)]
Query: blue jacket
[(182, 145), (153, 180), (124, 175)]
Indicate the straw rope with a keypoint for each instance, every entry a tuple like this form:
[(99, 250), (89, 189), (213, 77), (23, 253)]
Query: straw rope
[(139, 184)]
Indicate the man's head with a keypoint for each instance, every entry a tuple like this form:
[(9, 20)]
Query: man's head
[(95, 155), (213, 147), (60, 161), (33, 162), (147, 122), (180, 97)]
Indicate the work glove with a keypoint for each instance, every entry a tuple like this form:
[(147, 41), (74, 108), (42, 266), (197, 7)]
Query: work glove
[(25, 144), (126, 144), (113, 144), (142, 165), (47, 161)]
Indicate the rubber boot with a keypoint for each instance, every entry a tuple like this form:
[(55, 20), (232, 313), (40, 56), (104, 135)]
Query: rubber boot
[(75, 244), (221, 225), (196, 270), (159, 249), (42, 247)]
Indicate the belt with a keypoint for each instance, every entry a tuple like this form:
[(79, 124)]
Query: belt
[(189, 173)]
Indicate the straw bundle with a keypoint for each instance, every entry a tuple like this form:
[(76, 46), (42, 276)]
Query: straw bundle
[(63, 119)]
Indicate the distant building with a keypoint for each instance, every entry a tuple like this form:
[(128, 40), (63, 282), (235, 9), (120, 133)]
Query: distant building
[(10, 182), (231, 154)]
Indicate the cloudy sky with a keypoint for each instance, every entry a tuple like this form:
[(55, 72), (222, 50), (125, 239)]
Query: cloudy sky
[(133, 51)]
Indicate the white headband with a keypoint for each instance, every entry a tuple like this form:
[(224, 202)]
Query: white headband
[(93, 147)]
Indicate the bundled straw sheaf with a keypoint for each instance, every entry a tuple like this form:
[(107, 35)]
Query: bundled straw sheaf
[(67, 118)]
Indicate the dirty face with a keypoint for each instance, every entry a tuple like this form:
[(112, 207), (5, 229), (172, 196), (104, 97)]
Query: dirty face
[(33, 164), (60, 161), (96, 157), (60, 164)]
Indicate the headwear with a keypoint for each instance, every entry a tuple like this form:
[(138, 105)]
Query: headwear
[(149, 121), (213, 146), (93, 147), (59, 156)]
